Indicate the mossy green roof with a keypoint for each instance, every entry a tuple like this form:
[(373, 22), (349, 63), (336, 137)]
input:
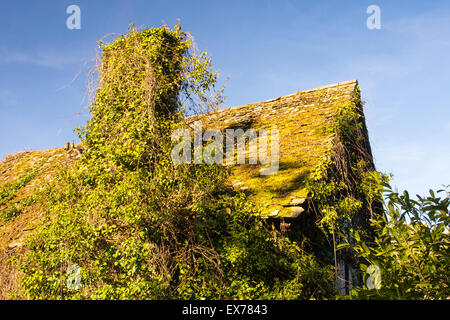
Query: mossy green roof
[(301, 119)]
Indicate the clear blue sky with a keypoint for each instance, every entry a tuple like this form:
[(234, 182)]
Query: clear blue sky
[(266, 48)]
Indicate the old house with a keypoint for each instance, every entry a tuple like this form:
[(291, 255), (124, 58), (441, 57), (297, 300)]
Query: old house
[(303, 121), (321, 136)]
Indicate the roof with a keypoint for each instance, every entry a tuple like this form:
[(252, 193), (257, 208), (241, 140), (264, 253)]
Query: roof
[(20, 174), (300, 119)]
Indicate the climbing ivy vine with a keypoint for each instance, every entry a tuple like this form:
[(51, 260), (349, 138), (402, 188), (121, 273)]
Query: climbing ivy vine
[(135, 225), (346, 195)]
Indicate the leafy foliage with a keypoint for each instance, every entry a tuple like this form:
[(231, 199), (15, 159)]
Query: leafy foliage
[(141, 227), (410, 247)]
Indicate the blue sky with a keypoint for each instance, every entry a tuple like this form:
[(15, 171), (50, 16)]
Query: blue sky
[(266, 48)]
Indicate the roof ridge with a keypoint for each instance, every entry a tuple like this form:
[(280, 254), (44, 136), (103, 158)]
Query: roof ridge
[(337, 84)]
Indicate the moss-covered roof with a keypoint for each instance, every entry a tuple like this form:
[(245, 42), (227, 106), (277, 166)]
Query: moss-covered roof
[(300, 119), (20, 175)]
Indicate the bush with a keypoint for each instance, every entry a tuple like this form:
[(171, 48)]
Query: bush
[(409, 256)]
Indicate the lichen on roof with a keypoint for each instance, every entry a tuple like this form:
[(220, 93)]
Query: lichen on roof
[(22, 174), (302, 120)]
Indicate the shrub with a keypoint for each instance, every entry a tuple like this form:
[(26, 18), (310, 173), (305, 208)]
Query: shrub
[(410, 249)]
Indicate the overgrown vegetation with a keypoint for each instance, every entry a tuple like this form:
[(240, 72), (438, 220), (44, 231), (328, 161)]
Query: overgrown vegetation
[(345, 186), (140, 227), (8, 191), (335, 183)]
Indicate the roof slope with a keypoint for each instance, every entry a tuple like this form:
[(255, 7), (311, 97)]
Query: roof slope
[(301, 119), (20, 175)]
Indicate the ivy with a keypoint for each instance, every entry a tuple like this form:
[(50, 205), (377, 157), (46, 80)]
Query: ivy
[(333, 184), (346, 195), (137, 225)]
